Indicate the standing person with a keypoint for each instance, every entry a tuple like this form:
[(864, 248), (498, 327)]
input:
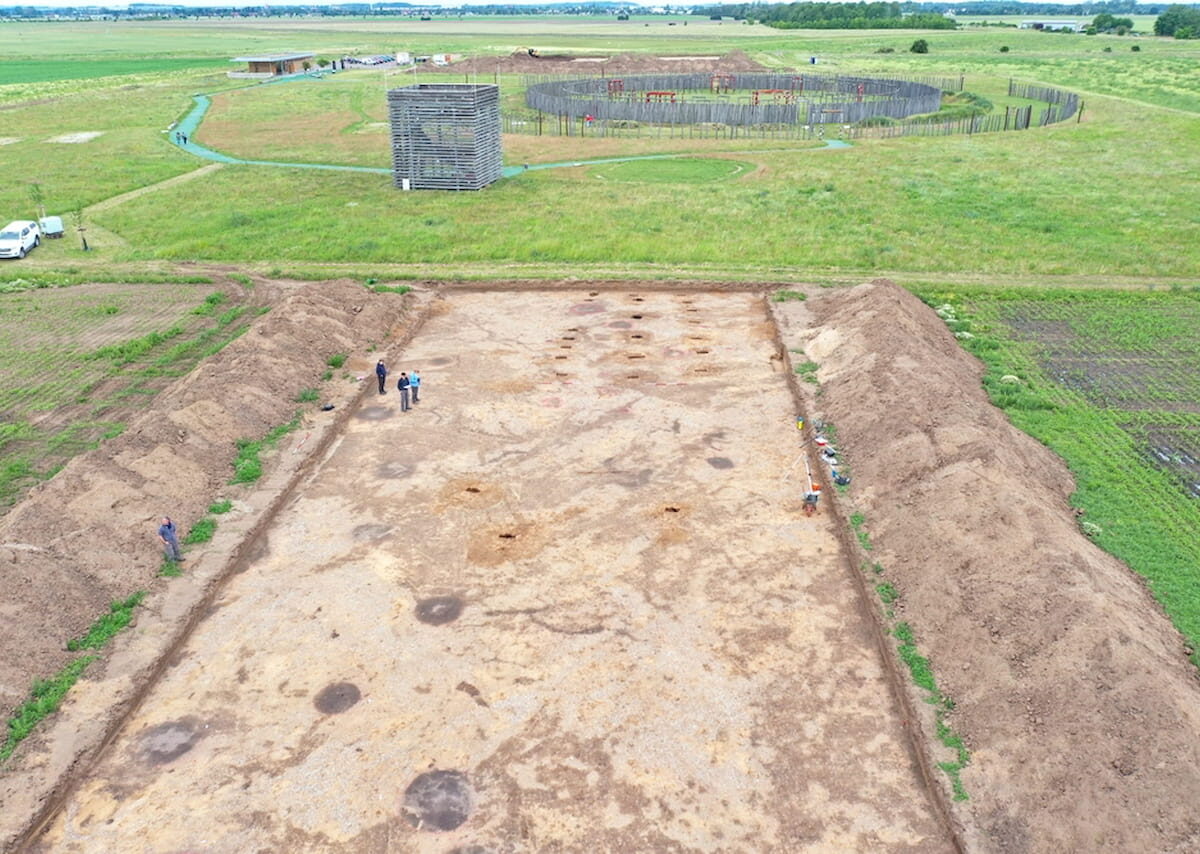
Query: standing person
[(170, 542), (402, 386), (381, 375), (414, 383)]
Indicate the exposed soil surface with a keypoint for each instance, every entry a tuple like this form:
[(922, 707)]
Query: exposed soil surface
[(520, 62), (87, 536), (1072, 689), (569, 602)]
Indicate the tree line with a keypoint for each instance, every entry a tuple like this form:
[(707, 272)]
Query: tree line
[(833, 16)]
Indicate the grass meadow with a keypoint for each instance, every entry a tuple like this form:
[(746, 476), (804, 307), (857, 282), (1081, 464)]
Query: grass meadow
[(1111, 197), (1085, 205)]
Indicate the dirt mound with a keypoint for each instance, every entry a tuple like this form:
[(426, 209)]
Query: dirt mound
[(87, 536), (520, 62), (1072, 688)]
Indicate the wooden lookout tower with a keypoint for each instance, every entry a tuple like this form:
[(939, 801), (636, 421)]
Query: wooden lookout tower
[(445, 136)]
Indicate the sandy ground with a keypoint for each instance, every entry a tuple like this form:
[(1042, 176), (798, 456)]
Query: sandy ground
[(567, 603)]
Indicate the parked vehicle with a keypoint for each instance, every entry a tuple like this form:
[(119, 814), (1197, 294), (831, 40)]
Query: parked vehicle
[(51, 227), (18, 238)]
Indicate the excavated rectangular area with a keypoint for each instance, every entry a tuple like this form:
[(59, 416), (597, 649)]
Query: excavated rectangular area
[(568, 602)]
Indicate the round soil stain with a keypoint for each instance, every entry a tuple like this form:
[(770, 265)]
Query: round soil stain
[(369, 531), (438, 800), (337, 698), (439, 610), (394, 471), (720, 462), (587, 308), (167, 742), (374, 413)]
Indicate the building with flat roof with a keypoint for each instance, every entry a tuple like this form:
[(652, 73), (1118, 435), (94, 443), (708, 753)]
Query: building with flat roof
[(272, 65), (1073, 26)]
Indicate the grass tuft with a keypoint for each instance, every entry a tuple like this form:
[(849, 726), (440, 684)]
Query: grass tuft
[(247, 467), (201, 532), (102, 631)]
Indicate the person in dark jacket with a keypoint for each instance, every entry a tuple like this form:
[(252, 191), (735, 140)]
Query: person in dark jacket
[(402, 386), (381, 375), (169, 540)]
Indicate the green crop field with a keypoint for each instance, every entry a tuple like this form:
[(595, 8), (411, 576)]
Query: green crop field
[(1109, 381), (38, 71), (77, 363)]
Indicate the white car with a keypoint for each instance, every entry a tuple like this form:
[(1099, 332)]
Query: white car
[(18, 238)]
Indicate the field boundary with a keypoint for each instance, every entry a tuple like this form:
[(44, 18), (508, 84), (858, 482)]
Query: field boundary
[(137, 663)]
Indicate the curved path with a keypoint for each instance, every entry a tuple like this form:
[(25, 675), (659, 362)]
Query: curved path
[(191, 123)]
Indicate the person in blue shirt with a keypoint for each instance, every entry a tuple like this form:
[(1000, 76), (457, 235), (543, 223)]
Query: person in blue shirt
[(414, 382), (402, 386), (381, 375), (170, 542)]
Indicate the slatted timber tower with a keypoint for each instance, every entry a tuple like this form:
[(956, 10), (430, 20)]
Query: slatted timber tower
[(445, 136)]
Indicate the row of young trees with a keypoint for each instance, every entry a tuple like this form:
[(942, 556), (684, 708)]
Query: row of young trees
[(833, 16)]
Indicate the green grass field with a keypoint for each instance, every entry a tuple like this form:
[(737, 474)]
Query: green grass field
[(1110, 197), (39, 71)]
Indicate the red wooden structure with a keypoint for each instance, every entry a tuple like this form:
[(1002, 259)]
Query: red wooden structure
[(776, 96), (660, 97), (616, 86)]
